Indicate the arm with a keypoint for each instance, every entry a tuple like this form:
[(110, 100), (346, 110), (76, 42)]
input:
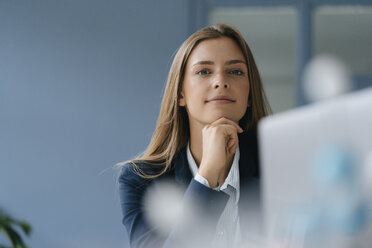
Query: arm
[(208, 206)]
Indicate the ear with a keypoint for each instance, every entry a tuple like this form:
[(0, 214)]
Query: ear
[(181, 100)]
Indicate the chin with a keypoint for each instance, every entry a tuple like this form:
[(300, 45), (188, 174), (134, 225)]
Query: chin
[(233, 118)]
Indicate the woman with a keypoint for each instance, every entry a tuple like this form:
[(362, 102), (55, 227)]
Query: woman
[(205, 140)]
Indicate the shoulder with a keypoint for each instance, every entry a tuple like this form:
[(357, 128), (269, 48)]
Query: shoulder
[(132, 174), (132, 171)]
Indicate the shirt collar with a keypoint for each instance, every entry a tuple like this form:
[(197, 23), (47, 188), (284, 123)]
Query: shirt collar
[(232, 179), (190, 159)]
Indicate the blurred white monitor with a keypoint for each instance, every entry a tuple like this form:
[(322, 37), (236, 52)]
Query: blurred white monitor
[(289, 142)]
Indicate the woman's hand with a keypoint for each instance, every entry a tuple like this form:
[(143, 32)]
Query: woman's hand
[(220, 140)]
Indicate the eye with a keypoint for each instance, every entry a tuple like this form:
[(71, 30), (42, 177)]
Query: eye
[(236, 72), (203, 72)]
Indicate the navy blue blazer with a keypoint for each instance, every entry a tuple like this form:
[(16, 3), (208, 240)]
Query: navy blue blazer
[(209, 203)]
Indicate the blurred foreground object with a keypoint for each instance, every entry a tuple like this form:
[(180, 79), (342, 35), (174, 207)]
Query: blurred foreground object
[(325, 77), (163, 205), (316, 168), (7, 227)]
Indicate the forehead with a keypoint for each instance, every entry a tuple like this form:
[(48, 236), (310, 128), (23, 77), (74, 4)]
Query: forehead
[(218, 49)]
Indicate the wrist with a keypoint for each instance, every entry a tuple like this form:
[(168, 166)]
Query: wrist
[(210, 177)]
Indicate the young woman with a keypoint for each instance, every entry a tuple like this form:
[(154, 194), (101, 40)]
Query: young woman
[(205, 140)]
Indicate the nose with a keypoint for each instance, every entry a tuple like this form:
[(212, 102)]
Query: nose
[(220, 81)]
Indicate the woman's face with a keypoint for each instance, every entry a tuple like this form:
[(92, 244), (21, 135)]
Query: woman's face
[(215, 83)]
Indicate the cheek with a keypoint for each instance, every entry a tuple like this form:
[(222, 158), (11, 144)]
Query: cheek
[(244, 92), (194, 92)]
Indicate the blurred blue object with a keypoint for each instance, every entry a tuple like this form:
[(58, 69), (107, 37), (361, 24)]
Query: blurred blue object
[(333, 164), (348, 219), (336, 172)]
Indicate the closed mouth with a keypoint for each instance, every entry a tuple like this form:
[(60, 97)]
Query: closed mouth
[(221, 99)]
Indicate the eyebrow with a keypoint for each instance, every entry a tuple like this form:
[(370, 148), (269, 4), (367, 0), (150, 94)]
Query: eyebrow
[(208, 62)]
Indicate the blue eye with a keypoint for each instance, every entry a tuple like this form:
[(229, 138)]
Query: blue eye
[(203, 72), (237, 72)]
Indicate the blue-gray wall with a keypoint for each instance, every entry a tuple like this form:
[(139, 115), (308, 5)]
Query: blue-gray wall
[(80, 89)]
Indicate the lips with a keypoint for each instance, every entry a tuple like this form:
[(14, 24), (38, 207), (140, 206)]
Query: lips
[(221, 99)]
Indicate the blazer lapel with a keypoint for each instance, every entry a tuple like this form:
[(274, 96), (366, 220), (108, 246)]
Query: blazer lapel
[(181, 167), (250, 201)]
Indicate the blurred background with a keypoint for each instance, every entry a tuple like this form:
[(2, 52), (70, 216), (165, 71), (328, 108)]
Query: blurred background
[(81, 83)]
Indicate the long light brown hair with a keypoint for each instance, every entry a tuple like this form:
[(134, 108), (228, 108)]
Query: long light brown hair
[(172, 129)]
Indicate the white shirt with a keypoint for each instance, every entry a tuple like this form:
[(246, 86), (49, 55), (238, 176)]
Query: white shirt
[(228, 228)]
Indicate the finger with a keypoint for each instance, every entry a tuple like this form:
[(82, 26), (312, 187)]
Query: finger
[(230, 143), (227, 130), (224, 120), (233, 143), (234, 140), (233, 149), (236, 146)]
